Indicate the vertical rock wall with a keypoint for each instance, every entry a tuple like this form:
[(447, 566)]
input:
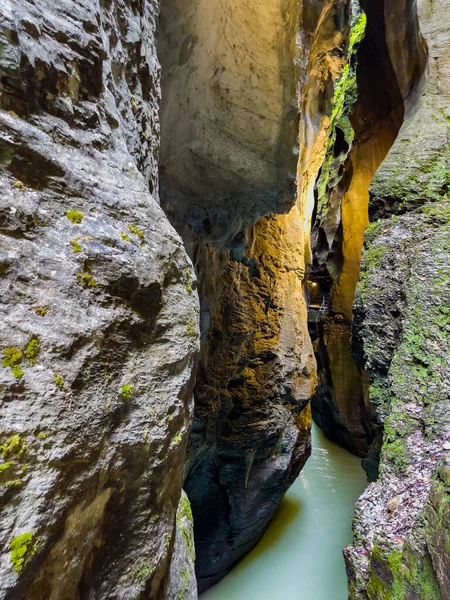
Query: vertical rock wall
[(228, 161), (335, 222), (99, 315), (376, 103), (400, 332)]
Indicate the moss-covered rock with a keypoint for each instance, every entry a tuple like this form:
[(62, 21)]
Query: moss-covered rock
[(401, 334), (79, 484)]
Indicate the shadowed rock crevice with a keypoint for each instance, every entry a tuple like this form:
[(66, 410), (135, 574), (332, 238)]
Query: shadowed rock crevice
[(341, 406)]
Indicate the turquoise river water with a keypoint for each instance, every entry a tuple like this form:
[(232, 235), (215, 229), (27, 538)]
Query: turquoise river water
[(300, 555)]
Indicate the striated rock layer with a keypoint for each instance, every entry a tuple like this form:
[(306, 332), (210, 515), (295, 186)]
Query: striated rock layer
[(228, 167), (401, 328), (99, 315)]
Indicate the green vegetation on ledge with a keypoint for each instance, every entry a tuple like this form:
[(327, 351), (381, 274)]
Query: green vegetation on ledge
[(345, 96)]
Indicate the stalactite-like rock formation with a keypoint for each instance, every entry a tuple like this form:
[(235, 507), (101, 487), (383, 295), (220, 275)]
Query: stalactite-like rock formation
[(401, 326), (228, 159), (99, 316)]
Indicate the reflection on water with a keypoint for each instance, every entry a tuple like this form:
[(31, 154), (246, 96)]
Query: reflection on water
[(300, 555)]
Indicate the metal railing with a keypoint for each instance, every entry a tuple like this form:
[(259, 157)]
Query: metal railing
[(323, 307), (325, 303)]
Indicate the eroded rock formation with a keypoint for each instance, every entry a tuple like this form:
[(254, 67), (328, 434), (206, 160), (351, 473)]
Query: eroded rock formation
[(358, 142), (99, 314), (228, 159), (401, 545)]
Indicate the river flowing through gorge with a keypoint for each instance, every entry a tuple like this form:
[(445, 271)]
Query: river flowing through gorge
[(300, 555)]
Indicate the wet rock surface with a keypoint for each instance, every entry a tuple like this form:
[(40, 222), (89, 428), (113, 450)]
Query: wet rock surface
[(403, 297), (251, 432), (362, 131), (99, 331)]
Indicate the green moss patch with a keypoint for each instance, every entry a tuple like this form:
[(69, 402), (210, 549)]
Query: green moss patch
[(185, 508), (137, 231), (191, 329), (86, 280), (396, 575), (439, 182), (23, 547), (32, 350), (12, 357), (74, 216), (125, 237), (126, 391), (15, 445), (13, 483), (76, 247), (58, 380), (184, 512)]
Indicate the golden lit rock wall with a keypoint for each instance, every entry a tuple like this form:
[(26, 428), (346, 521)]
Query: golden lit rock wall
[(342, 406), (228, 166)]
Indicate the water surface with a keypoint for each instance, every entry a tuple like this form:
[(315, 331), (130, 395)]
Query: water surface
[(300, 555)]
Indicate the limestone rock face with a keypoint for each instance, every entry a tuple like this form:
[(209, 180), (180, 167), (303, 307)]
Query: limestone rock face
[(361, 133), (229, 118), (228, 166), (98, 308), (400, 333), (251, 434), (182, 582)]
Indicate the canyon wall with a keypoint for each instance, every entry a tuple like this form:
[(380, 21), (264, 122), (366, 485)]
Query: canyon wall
[(357, 146), (401, 328), (228, 168), (99, 312)]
